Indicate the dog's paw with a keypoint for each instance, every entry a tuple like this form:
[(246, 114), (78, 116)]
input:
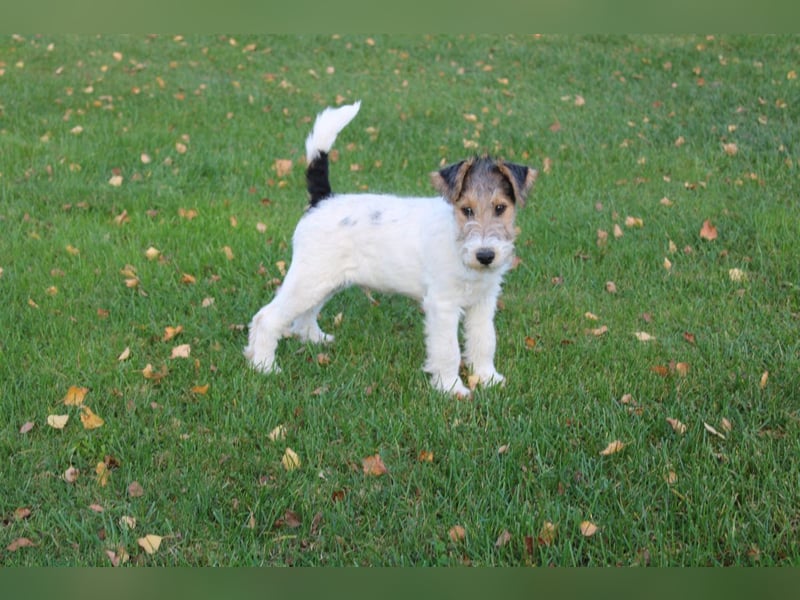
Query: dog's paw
[(451, 385), (260, 363), (490, 378)]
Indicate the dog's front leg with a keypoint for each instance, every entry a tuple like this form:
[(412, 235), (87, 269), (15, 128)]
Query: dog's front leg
[(480, 341), (441, 341)]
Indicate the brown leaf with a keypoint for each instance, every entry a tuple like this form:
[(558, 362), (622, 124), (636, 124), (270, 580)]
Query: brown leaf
[(289, 519), (373, 465), (708, 231), (102, 472), (171, 332), (425, 456), (181, 351), (26, 427), (689, 337), (547, 534), (457, 533), (763, 381), (611, 287), (18, 543), (135, 490), (283, 167), (597, 332), (71, 474)]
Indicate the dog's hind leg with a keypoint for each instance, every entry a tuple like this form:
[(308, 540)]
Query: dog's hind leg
[(306, 327), (293, 310)]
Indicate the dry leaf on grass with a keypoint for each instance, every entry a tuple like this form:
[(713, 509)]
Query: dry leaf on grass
[(277, 434), (150, 543), (713, 431), (547, 534), (290, 460), (171, 332), (26, 427), (135, 490), (457, 533), (57, 421), (182, 351), (18, 543), (643, 336), (373, 465), (612, 448), (503, 539), (708, 231), (75, 395), (676, 425), (89, 419), (588, 529), (71, 474)]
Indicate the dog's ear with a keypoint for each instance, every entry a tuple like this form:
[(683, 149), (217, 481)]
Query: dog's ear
[(450, 180), (520, 177)]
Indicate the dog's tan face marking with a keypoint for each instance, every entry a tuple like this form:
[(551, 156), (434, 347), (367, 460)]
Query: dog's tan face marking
[(485, 194)]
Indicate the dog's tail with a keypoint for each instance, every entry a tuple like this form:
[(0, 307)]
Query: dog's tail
[(319, 142)]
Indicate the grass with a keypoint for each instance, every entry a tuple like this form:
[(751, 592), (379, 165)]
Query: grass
[(619, 123)]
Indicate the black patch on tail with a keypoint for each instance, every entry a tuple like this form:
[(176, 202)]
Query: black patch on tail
[(317, 181)]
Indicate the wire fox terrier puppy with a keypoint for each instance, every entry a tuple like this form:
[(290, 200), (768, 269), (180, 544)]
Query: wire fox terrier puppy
[(449, 252)]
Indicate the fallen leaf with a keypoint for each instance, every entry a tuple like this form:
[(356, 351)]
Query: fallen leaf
[(150, 543), (187, 213), (125, 355), (547, 534), (152, 253), (689, 337), (75, 395), (763, 381), (149, 373), (89, 419), (726, 424), (713, 431), (128, 522), (457, 533), (283, 167), (290, 460), (116, 180), (588, 529), (373, 465), (425, 456), (667, 264), (611, 287), (682, 368), (96, 508), (503, 539), (228, 252), (730, 149), (277, 434), (671, 477), (118, 557), (57, 421), (503, 449), (289, 519), (181, 351), (597, 332), (676, 425), (633, 222), (643, 336), (201, 390), (188, 279), (708, 231), (171, 332), (102, 472), (71, 474), (22, 513), (18, 543), (26, 427), (135, 490), (612, 448), (591, 316), (737, 275), (660, 370)]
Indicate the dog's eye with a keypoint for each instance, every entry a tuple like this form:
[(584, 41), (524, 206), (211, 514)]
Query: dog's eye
[(499, 209), (467, 212)]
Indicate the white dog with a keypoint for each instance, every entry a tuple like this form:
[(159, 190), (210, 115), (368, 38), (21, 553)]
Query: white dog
[(449, 252)]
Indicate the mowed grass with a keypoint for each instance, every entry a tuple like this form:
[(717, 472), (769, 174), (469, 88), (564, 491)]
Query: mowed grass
[(654, 135)]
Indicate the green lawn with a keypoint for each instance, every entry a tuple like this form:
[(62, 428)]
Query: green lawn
[(110, 146)]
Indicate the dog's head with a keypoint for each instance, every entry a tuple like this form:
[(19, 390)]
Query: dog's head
[(485, 194)]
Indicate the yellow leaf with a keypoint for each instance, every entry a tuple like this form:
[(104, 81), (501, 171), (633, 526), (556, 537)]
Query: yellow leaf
[(152, 253), (547, 534), (597, 332), (149, 373), (283, 167), (200, 389), (763, 382), (737, 275), (72, 250), (633, 222), (115, 181), (290, 460), (226, 250), (612, 448), (125, 354), (150, 543), (89, 419), (588, 529), (75, 395), (57, 421), (643, 336), (425, 456), (277, 434), (102, 473)]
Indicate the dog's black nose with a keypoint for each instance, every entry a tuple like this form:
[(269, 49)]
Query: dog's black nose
[(485, 256)]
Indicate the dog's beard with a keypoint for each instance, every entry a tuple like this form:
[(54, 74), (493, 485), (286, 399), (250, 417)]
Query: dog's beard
[(473, 243)]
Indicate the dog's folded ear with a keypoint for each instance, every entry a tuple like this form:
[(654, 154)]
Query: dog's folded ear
[(520, 177), (449, 181)]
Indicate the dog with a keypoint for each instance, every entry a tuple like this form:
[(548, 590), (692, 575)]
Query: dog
[(449, 252)]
